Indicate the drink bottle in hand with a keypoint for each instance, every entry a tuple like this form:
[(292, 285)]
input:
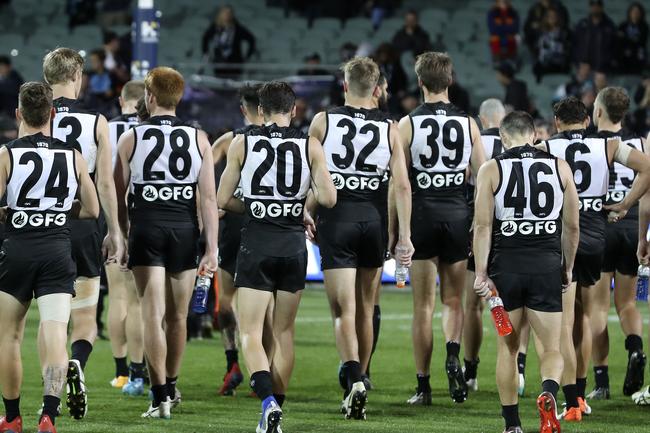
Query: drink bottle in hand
[(401, 271), (499, 315), (200, 298), (642, 283)]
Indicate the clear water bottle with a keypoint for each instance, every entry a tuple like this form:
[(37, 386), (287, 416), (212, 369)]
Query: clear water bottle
[(201, 290), (499, 315), (401, 271), (642, 283)]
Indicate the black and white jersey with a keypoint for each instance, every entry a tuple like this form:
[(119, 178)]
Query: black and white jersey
[(357, 151), (587, 157), (441, 148), (491, 141), (241, 131), (41, 187), (165, 167), (117, 127), (275, 176), (77, 128), (528, 204)]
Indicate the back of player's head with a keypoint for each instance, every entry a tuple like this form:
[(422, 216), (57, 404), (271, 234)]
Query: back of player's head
[(492, 110), (133, 91), (517, 124), (434, 70), (570, 111), (141, 110), (249, 96), (166, 85), (61, 65), (35, 103), (276, 97), (361, 76), (615, 102)]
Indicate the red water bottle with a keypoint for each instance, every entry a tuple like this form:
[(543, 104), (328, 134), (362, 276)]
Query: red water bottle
[(499, 315)]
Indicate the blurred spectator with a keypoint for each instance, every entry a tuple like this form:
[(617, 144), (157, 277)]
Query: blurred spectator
[(633, 39), (80, 12), (543, 130), (10, 82), (312, 66), (115, 13), (117, 59), (640, 118), (439, 44), (99, 80), (409, 103), (503, 24), (411, 37), (302, 119), (579, 82), (390, 66), (534, 26), (516, 90), (553, 51), (458, 95), (379, 9), (594, 39), (222, 42), (346, 52)]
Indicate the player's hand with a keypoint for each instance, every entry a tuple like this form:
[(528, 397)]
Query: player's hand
[(567, 277), (113, 248), (208, 264), (616, 212), (643, 253), (310, 227), (221, 213), (403, 252), (484, 286)]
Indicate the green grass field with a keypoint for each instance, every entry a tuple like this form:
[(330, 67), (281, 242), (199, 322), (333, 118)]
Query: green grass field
[(314, 396)]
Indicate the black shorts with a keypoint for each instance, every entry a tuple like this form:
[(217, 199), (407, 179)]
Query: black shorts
[(34, 268), (586, 268), (620, 250), (176, 249), (539, 292), (256, 270), (86, 238), (351, 244), (449, 240), (229, 239)]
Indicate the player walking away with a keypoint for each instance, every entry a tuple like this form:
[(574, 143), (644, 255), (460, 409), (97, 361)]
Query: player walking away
[(526, 222), (589, 159), (41, 176), (230, 227), (124, 316), (88, 133), (491, 113), (275, 164), (361, 144), (620, 261), (441, 142), (163, 161)]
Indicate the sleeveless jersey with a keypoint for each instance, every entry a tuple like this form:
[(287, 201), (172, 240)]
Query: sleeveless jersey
[(492, 146), (357, 151), (165, 167), (77, 128), (441, 148), (587, 157), (527, 227), (41, 187), (117, 127)]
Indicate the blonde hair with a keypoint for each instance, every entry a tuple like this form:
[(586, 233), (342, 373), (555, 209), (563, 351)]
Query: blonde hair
[(362, 76), (133, 90), (166, 84), (434, 71), (61, 65)]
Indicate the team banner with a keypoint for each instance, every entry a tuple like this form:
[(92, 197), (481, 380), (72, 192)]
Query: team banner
[(144, 34)]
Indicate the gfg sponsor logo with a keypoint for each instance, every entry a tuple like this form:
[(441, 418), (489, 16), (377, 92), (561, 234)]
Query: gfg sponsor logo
[(616, 196), (440, 180), (511, 228), (151, 193), (21, 219), (260, 210), (595, 204), (355, 182)]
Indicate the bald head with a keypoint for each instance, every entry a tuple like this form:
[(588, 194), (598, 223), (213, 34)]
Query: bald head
[(491, 113)]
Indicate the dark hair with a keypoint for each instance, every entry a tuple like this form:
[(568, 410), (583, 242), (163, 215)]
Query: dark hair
[(636, 5), (109, 36), (412, 12), (141, 110), (5, 60), (99, 53), (35, 103), (277, 97), (570, 110), (615, 101), (517, 123), (249, 96)]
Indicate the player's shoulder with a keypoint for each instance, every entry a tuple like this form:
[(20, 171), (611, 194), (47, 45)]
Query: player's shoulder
[(72, 106), (243, 129), (125, 118), (372, 114), (490, 132)]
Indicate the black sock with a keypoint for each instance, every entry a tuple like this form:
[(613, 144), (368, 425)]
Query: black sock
[(136, 370), (159, 394), (170, 384), (279, 398), (81, 350), (121, 367), (551, 386), (353, 373), (633, 343), (521, 363), (471, 369), (376, 327), (570, 395), (453, 349), (51, 406), (511, 415), (581, 386), (232, 358), (261, 384), (343, 376), (12, 408), (601, 375), (423, 383)]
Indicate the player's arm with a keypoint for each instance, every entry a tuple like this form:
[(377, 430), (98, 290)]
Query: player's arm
[(643, 251), (230, 178), (322, 186), (478, 153), (486, 182), (122, 176), (87, 206), (640, 163), (220, 147), (405, 129), (208, 207), (5, 169), (113, 246), (318, 126), (570, 220), (402, 194)]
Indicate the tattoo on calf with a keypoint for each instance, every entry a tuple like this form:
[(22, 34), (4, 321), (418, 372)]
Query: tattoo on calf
[(54, 379)]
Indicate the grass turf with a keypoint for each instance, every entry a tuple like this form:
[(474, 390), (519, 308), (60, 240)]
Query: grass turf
[(314, 396)]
